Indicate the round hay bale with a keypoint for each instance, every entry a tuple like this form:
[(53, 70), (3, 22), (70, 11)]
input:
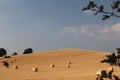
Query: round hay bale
[(52, 65), (98, 73), (111, 69), (69, 62), (67, 66), (11, 61), (35, 69), (15, 67), (14, 60)]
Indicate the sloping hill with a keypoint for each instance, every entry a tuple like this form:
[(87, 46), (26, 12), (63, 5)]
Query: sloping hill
[(84, 65)]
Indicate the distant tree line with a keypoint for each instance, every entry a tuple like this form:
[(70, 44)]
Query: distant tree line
[(3, 52)]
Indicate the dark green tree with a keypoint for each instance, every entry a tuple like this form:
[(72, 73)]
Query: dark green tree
[(3, 52), (118, 52), (113, 11), (15, 53), (28, 51), (111, 59)]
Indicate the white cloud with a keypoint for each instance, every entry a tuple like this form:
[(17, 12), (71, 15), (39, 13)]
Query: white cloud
[(116, 28), (77, 30), (110, 32), (103, 32), (87, 11), (71, 29), (85, 30)]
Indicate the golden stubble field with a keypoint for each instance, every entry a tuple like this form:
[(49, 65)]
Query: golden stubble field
[(84, 64)]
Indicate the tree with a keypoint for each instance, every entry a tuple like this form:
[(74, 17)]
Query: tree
[(111, 59), (28, 51), (3, 52), (118, 51), (101, 9), (15, 53)]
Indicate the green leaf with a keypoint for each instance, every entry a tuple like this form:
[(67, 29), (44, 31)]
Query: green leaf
[(112, 6), (118, 9), (84, 9), (91, 4), (116, 5), (105, 17), (101, 8)]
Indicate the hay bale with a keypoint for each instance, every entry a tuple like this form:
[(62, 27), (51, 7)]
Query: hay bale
[(98, 73), (52, 65), (67, 66), (69, 62), (111, 69), (35, 69), (15, 67)]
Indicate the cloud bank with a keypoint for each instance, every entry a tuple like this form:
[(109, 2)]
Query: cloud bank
[(103, 32)]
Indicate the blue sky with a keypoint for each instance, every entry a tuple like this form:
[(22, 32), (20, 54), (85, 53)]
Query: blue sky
[(55, 24)]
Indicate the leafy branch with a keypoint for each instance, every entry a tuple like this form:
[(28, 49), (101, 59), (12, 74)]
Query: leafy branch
[(115, 9)]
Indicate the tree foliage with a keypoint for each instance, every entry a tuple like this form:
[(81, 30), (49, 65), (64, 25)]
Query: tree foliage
[(3, 52), (118, 51), (100, 9), (112, 59), (28, 51), (15, 53)]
